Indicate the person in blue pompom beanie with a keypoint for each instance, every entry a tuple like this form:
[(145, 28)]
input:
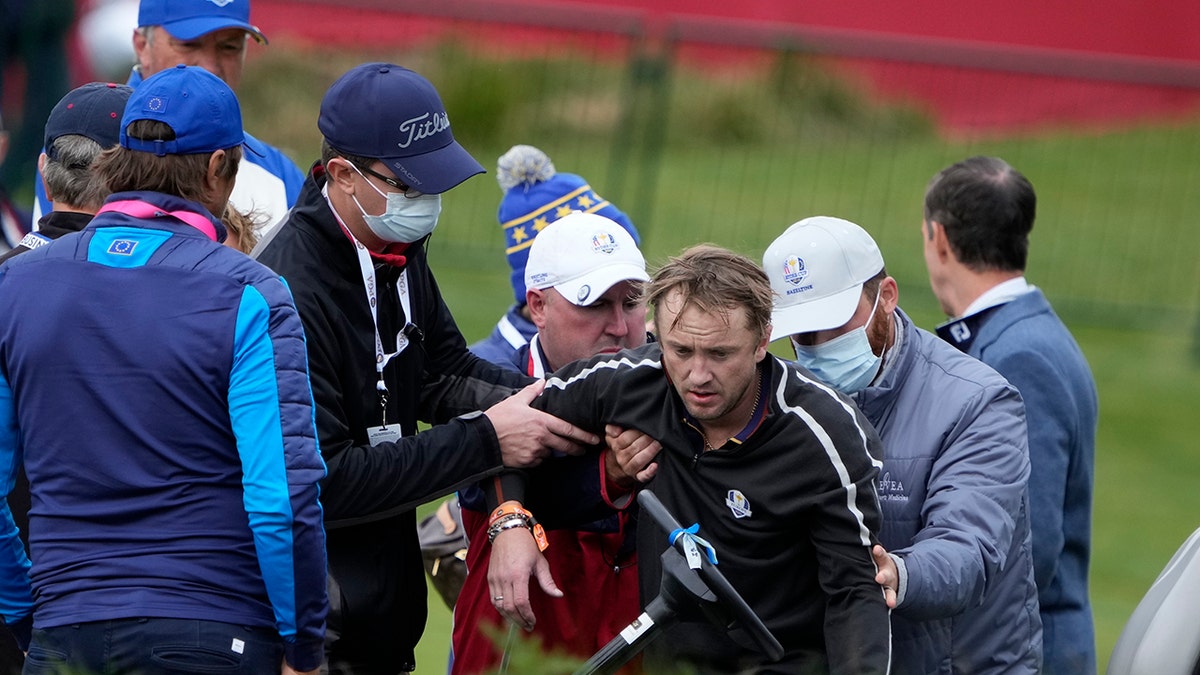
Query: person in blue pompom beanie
[(535, 195)]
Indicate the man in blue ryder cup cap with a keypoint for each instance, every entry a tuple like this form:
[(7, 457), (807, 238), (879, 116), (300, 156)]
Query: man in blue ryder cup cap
[(154, 387), (212, 34), (384, 351)]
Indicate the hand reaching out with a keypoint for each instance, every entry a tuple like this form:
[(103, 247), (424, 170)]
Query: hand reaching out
[(527, 435), (888, 576)]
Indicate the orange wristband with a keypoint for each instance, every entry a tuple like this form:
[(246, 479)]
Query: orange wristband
[(509, 508), (514, 508)]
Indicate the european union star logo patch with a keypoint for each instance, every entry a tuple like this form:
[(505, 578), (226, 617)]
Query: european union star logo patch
[(122, 247)]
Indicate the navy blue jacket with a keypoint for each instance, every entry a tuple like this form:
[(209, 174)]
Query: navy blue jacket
[(154, 383), (511, 332)]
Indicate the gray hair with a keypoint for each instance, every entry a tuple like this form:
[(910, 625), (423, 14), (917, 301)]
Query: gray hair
[(70, 179)]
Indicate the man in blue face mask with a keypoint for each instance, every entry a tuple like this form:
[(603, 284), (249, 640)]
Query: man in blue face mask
[(954, 487)]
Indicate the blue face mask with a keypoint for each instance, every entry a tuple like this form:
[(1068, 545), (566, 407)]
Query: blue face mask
[(846, 363), (405, 219)]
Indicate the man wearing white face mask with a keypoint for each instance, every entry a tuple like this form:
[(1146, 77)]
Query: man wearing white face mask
[(384, 352), (958, 569)]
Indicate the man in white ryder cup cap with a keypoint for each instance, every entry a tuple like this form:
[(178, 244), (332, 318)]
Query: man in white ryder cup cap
[(954, 486), (583, 288), (592, 264)]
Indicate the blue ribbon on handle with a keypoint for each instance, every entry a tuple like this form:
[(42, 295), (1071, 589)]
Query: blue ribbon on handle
[(692, 544)]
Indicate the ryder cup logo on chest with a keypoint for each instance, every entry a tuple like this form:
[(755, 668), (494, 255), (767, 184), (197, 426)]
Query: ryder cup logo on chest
[(604, 242), (738, 504)]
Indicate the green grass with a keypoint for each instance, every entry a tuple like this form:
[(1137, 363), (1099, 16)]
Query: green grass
[(1114, 246)]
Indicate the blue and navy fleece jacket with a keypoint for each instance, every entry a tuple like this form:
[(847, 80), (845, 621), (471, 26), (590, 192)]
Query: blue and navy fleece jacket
[(155, 385)]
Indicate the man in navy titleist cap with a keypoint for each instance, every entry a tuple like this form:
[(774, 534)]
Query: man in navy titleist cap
[(384, 352), (212, 34), (154, 387)]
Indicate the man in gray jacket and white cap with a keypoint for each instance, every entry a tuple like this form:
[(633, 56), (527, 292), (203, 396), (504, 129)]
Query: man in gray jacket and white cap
[(958, 569)]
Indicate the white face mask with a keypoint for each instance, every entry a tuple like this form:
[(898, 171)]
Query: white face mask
[(404, 219), (847, 362)]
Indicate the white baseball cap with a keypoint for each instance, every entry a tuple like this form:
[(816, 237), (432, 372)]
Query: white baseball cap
[(582, 255), (817, 269)]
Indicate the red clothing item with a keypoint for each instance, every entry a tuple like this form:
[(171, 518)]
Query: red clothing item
[(600, 597)]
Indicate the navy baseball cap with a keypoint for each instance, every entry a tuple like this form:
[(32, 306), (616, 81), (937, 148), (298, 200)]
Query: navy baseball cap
[(198, 106), (189, 19), (93, 110), (392, 114)]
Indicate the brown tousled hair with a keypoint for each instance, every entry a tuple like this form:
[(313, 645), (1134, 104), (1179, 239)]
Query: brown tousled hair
[(180, 175), (715, 280)]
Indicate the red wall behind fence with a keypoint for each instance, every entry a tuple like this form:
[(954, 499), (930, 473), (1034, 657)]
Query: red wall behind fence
[(1144, 33)]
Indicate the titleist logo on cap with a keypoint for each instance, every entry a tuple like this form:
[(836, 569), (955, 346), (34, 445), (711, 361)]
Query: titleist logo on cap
[(423, 126)]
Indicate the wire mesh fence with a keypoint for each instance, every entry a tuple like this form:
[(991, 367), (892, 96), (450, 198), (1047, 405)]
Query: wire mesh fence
[(729, 131)]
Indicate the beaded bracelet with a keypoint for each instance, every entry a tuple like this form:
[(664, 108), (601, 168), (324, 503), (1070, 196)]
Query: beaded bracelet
[(503, 525), (511, 507)]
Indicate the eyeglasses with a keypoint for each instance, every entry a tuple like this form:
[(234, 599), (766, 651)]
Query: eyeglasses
[(408, 192)]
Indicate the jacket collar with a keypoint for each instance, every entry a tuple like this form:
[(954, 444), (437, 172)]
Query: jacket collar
[(901, 356), (58, 223), (972, 334), (167, 209)]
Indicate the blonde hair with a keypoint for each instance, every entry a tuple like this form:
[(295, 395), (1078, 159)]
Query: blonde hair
[(240, 228)]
